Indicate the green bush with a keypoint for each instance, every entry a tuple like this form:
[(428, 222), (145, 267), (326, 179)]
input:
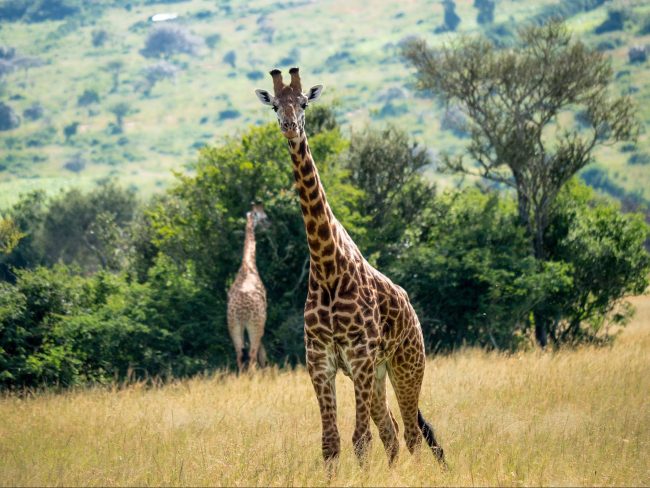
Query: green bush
[(469, 273)]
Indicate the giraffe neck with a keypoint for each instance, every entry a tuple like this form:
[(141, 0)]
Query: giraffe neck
[(324, 232), (248, 262)]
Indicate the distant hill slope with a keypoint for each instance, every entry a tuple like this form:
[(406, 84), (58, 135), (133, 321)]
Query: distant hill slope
[(84, 97)]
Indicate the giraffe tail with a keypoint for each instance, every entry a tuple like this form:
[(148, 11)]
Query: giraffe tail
[(429, 436)]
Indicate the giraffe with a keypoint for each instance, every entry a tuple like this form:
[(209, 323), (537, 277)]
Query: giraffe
[(355, 318), (247, 298)]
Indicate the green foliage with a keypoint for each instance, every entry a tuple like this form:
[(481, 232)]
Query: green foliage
[(513, 98), (468, 271), (146, 297), (10, 236), (87, 229), (58, 328), (30, 311), (607, 261), (387, 167), (201, 223)]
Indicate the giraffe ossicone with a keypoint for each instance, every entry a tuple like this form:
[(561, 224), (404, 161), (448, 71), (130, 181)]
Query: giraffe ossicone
[(247, 298), (356, 319)]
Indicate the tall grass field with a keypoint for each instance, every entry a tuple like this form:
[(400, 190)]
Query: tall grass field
[(574, 417)]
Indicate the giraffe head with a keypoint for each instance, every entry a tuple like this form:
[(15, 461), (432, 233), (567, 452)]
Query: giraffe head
[(289, 102), (258, 215)]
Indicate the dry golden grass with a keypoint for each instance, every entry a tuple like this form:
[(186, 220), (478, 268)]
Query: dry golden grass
[(570, 418)]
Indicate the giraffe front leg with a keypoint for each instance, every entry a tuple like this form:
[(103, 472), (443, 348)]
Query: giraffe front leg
[(322, 371), (363, 375)]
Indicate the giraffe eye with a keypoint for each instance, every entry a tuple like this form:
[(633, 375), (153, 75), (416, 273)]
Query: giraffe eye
[(303, 105), (275, 108)]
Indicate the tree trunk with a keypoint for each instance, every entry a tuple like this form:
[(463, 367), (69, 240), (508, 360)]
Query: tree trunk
[(541, 330)]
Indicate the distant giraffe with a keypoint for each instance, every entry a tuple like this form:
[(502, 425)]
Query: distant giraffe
[(247, 298), (356, 319)]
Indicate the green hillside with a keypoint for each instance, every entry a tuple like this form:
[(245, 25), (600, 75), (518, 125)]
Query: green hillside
[(100, 118)]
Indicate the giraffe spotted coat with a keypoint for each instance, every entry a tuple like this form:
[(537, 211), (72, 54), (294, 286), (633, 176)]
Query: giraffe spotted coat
[(247, 300), (356, 319)]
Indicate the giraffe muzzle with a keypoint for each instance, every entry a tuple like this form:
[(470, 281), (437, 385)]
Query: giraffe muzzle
[(290, 129)]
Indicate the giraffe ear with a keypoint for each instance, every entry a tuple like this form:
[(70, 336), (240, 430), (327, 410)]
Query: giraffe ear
[(314, 93), (265, 97)]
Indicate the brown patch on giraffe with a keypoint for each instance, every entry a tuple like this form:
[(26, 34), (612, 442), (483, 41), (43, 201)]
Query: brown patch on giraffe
[(306, 168), (344, 307), (313, 284), (324, 231), (329, 267), (328, 250), (314, 244), (309, 182), (316, 210), (323, 316)]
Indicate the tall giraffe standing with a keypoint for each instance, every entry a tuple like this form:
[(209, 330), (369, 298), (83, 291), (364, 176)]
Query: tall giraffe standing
[(247, 298), (356, 319)]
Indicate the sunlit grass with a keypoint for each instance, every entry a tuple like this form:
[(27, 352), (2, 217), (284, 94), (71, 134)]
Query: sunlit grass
[(575, 417)]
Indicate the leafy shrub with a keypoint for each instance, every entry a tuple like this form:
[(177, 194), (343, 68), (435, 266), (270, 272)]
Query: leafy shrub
[(628, 147), (451, 18), (212, 40), (255, 75), (38, 10), (8, 118), (70, 130), (229, 114), (639, 158), (486, 11), (454, 120), (99, 37), (86, 229), (162, 70), (391, 109), (88, 97), (603, 249), (615, 21), (76, 164), (168, 39), (637, 54), (33, 112), (608, 45), (469, 273), (565, 9), (230, 58)]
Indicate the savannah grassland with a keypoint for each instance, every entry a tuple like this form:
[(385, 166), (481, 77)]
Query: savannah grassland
[(574, 417)]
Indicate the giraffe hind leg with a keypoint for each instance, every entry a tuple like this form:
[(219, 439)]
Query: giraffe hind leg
[(406, 371), (383, 417), (237, 336), (255, 333)]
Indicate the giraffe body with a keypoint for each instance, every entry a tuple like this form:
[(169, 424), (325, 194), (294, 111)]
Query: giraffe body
[(356, 319), (247, 300)]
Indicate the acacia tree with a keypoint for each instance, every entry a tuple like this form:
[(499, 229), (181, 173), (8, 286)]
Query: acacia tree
[(517, 101)]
